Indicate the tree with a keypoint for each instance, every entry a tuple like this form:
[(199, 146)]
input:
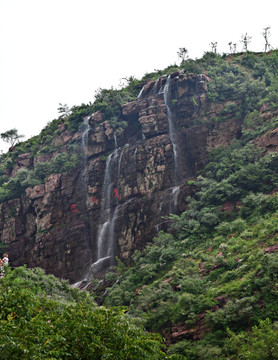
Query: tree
[(266, 34), (64, 110), (11, 136), (245, 40), (213, 46), (182, 53), (259, 344), (42, 317), (232, 47)]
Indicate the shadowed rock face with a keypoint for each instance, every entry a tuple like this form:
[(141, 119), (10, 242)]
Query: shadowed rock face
[(117, 199)]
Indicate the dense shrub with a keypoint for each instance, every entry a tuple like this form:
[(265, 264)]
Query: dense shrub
[(65, 325)]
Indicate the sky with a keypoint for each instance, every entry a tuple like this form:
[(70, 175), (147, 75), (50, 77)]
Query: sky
[(62, 51)]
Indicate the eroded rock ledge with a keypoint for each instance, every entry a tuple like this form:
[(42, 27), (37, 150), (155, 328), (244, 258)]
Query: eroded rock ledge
[(56, 225)]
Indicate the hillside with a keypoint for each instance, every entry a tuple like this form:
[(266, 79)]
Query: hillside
[(210, 284), (173, 180), (42, 317)]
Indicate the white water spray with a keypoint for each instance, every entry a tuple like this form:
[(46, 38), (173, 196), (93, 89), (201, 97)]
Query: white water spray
[(173, 139), (172, 131), (141, 92)]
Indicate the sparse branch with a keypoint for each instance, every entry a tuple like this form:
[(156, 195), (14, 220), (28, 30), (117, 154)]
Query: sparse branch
[(245, 40), (266, 35), (182, 53), (232, 47), (213, 47), (64, 110), (11, 136)]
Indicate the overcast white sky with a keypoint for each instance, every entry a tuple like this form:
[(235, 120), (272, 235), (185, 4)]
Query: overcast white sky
[(61, 51)]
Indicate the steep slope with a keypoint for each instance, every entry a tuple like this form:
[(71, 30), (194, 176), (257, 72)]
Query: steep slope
[(199, 142), (42, 317), (116, 199), (210, 284)]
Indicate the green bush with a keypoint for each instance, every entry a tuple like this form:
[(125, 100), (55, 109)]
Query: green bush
[(36, 326), (259, 344)]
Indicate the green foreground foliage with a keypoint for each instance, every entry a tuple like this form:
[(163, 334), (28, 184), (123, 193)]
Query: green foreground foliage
[(42, 317)]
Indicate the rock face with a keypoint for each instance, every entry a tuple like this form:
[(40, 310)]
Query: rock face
[(118, 198)]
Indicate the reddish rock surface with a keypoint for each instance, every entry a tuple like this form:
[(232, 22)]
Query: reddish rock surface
[(55, 225)]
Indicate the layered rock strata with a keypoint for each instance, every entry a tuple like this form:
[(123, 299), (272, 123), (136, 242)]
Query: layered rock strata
[(118, 198)]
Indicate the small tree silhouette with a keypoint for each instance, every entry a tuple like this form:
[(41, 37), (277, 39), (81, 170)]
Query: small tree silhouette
[(245, 40), (64, 110), (182, 53), (213, 46), (11, 136), (266, 34), (232, 47), (235, 45)]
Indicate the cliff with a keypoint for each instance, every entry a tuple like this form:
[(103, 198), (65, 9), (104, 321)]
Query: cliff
[(125, 184)]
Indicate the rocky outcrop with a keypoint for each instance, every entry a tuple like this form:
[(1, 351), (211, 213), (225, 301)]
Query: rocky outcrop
[(119, 196)]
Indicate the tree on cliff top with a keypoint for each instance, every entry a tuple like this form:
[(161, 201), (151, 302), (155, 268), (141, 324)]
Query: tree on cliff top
[(245, 40), (182, 54), (11, 136)]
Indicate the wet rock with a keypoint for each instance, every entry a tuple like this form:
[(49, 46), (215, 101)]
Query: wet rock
[(56, 225)]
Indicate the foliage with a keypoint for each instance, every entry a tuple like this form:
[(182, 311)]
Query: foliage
[(66, 324), (220, 267), (14, 187), (228, 280), (259, 344), (11, 136), (213, 276)]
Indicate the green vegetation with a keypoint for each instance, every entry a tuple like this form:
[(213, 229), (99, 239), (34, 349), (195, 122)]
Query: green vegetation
[(210, 284), (11, 136), (42, 317), (215, 282), (213, 277), (243, 83), (14, 187), (216, 274)]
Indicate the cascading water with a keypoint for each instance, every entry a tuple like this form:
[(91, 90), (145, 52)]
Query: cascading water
[(104, 246), (134, 155), (84, 143), (120, 162), (173, 139), (154, 89), (141, 92), (172, 131), (105, 235), (86, 128), (175, 193)]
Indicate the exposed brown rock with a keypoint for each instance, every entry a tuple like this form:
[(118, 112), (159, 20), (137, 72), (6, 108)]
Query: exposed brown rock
[(268, 142), (271, 249), (55, 225)]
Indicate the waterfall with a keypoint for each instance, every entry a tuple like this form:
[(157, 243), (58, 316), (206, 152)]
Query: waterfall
[(105, 234), (175, 193), (173, 139), (103, 237), (106, 242), (84, 173), (154, 89), (134, 155), (86, 128), (84, 143), (120, 161), (141, 92), (172, 131)]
